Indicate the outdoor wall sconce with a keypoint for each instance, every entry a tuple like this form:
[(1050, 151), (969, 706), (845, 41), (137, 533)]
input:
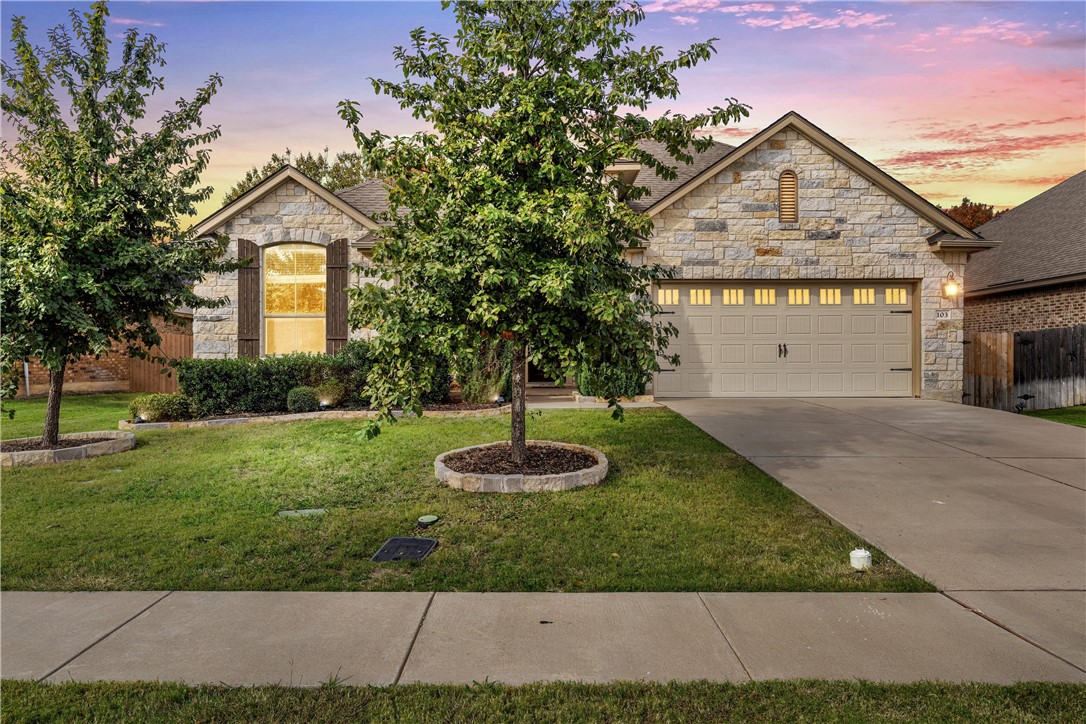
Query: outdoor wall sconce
[(951, 287)]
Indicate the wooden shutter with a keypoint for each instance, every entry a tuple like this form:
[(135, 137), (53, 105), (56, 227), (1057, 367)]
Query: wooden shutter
[(249, 300), (788, 198), (336, 311)]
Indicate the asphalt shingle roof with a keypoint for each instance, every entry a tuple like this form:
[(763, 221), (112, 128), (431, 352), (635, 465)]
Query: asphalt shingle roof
[(1044, 238), (371, 197)]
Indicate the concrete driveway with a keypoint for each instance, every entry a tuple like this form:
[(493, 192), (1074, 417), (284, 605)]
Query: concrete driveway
[(989, 506)]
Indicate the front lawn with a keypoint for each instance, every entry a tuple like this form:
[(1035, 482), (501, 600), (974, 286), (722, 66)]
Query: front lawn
[(1068, 415), (789, 701), (78, 413), (196, 509)]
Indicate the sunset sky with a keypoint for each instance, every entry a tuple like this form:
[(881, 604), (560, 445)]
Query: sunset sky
[(980, 99)]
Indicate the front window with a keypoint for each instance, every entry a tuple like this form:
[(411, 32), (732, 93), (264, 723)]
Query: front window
[(295, 295)]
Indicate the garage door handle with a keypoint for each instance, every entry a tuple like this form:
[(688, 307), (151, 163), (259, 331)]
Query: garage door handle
[(786, 350), (780, 350)]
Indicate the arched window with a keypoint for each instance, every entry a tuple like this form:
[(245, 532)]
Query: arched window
[(295, 298), (788, 198)]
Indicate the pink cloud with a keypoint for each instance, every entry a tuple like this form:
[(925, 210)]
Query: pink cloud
[(979, 150), (998, 30), (130, 22), (684, 19), (803, 19)]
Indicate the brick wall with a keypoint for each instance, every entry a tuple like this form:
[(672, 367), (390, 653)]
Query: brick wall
[(110, 373), (1027, 310)]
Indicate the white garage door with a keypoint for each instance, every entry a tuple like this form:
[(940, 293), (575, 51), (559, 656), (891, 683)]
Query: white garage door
[(747, 339)]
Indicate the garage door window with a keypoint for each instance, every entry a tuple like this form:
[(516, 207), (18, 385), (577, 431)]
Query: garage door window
[(829, 296), (667, 297), (863, 296), (765, 296), (731, 297), (897, 296), (701, 297), (799, 297)]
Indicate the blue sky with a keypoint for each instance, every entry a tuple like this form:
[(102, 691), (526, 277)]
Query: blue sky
[(984, 100)]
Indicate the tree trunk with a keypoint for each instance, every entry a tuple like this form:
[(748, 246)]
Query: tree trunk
[(517, 440), (52, 409)]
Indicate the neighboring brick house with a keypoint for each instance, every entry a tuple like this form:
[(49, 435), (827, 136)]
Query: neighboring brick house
[(1036, 279), (802, 269), (110, 373)]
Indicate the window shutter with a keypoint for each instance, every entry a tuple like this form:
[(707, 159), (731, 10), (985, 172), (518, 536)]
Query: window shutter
[(249, 300), (788, 198), (336, 310)]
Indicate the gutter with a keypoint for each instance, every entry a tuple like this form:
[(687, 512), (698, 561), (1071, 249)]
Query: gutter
[(1024, 285)]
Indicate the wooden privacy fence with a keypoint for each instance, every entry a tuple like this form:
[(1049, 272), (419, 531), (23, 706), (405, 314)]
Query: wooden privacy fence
[(147, 376), (1035, 370)]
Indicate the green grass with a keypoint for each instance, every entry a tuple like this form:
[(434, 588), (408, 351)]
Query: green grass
[(791, 701), (78, 413), (195, 509), (1068, 415)]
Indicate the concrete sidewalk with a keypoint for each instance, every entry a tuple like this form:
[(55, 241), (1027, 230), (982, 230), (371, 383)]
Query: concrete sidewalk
[(304, 639)]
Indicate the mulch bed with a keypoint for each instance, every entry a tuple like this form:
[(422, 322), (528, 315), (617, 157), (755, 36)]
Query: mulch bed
[(8, 446), (458, 406), (539, 460)]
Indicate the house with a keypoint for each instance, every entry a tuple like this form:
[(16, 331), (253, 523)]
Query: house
[(802, 270), (1035, 279)]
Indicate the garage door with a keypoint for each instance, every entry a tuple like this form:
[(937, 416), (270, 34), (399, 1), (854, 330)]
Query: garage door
[(789, 339)]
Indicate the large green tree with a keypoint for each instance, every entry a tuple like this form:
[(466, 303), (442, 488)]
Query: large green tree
[(509, 225), (93, 194), (345, 169)]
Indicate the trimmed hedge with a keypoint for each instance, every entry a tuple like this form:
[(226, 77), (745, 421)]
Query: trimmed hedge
[(227, 386), (607, 381), (161, 407)]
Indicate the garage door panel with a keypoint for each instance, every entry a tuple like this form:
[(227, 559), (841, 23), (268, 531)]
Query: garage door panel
[(828, 338)]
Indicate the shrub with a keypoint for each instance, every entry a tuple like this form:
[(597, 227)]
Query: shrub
[(303, 399), (439, 386), (331, 392), (486, 372), (609, 381), (161, 407), (221, 386)]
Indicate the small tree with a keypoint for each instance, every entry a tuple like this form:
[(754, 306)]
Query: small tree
[(345, 169), (509, 224), (92, 247), (971, 214)]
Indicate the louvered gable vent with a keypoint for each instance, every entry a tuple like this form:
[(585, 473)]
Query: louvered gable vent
[(789, 198)]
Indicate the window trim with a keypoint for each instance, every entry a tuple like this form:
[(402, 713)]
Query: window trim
[(263, 298)]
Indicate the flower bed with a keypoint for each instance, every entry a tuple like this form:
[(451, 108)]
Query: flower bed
[(116, 442), (477, 482)]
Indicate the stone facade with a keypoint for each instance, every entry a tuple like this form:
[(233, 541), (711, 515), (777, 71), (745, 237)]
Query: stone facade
[(1062, 305), (849, 229), (288, 213)]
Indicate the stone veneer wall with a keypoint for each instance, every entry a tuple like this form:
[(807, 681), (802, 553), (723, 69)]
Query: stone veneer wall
[(289, 213), (1027, 310), (848, 228)]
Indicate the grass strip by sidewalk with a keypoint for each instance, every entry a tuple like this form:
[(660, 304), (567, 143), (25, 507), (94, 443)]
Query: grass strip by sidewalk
[(791, 701), (195, 509), (78, 413), (1067, 415)]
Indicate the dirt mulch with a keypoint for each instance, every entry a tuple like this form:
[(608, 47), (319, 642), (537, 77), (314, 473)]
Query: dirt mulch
[(461, 406), (8, 446), (539, 460)]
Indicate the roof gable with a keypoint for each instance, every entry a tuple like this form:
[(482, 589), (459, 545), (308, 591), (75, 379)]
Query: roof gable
[(287, 173), (839, 151), (1044, 241)]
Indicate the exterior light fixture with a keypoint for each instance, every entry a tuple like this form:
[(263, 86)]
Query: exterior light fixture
[(951, 287)]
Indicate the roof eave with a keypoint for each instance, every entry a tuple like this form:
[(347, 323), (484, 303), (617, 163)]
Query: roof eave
[(236, 206), (839, 151), (1024, 285)]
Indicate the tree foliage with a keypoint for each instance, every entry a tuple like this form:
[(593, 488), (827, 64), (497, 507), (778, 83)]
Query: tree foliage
[(509, 224), (972, 214), (92, 248), (345, 169)]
